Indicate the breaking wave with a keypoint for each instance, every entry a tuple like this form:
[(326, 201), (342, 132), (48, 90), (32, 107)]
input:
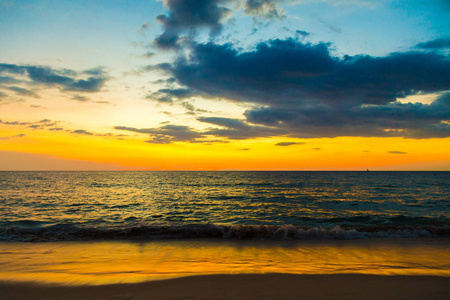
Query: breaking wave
[(73, 232)]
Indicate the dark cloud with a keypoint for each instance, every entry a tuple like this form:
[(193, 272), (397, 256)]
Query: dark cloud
[(65, 79), (98, 71), (266, 9), (285, 144), (302, 33), (441, 43), (166, 81), (192, 110), (42, 124), (167, 41), (169, 95), (231, 129), (12, 137), (167, 134), (82, 131), (187, 16), (148, 54), (8, 80), (188, 106), (163, 67), (305, 91), (289, 71), (23, 91), (80, 98), (397, 152), (394, 119), (47, 124), (237, 129)]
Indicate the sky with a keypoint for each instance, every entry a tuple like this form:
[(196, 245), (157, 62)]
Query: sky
[(224, 85)]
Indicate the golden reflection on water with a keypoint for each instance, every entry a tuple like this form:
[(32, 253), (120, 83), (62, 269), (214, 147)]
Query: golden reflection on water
[(114, 262)]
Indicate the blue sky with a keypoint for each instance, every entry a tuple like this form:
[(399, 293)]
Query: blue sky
[(89, 33)]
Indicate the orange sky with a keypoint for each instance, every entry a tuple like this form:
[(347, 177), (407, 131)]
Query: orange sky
[(42, 149)]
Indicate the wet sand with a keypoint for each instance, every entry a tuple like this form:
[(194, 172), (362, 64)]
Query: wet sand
[(263, 286)]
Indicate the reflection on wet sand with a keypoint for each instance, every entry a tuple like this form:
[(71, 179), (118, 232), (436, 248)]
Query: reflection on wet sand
[(126, 262)]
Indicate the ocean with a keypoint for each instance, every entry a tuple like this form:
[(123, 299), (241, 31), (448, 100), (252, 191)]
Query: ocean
[(97, 227), (56, 206)]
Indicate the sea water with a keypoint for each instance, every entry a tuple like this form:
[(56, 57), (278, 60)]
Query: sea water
[(54, 206), (101, 227)]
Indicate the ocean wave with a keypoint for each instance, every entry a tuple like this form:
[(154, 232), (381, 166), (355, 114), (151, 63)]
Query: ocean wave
[(77, 232)]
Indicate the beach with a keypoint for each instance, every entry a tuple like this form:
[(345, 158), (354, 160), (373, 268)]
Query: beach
[(267, 286), (408, 268)]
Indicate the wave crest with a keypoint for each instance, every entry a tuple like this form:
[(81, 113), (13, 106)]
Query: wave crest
[(72, 232)]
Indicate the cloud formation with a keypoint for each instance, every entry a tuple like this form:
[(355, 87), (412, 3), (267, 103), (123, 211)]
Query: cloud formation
[(82, 131), (188, 16), (285, 144), (265, 9), (42, 124), (185, 18), (67, 80), (12, 137), (441, 43), (303, 90), (23, 91), (167, 134)]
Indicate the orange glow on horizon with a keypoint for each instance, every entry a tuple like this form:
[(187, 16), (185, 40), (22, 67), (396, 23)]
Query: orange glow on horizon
[(132, 152)]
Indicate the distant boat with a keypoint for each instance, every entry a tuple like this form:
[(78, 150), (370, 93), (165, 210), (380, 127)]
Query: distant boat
[(367, 170)]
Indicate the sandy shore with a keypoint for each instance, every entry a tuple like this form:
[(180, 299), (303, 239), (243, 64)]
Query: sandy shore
[(267, 286)]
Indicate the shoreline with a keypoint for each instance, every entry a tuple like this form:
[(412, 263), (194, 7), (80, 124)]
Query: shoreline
[(120, 262), (245, 286)]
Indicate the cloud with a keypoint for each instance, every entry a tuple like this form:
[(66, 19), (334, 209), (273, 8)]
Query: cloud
[(80, 98), (12, 137), (169, 95), (68, 80), (42, 124), (188, 106), (8, 80), (397, 152), (191, 109), (23, 91), (167, 41), (82, 131), (144, 27), (189, 16), (98, 71), (441, 43), (167, 134), (284, 144), (46, 124), (303, 90), (265, 9), (148, 54), (237, 129), (332, 27), (394, 119)]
